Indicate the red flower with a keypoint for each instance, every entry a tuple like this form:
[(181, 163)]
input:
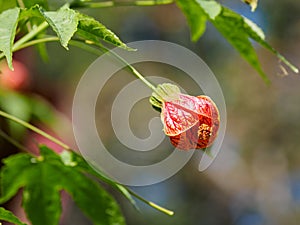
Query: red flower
[(190, 122)]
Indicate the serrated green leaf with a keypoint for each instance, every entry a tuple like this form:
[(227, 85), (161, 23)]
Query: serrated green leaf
[(257, 34), (8, 26), (195, 16), (64, 22), (13, 179), (232, 26), (8, 216), (75, 160), (94, 31), (99, 206), (43, 178), (41, 196)]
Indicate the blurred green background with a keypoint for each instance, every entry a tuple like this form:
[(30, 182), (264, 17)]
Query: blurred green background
[(255, 179)]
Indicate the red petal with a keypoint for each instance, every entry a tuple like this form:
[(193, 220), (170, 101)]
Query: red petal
[(179, 115), (191, 122)]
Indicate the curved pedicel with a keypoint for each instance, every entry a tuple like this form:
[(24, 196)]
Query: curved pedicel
[(97, 75)]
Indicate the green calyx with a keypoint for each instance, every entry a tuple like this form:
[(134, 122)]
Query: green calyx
[(165, 92)]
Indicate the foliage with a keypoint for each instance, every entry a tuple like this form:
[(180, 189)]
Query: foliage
[(43, 177), (8, 26), (68, 23), (234, 27), (7, 216)]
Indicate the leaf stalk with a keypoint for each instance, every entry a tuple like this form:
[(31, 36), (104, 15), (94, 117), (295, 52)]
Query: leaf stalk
[(35, 129), (106, 4)]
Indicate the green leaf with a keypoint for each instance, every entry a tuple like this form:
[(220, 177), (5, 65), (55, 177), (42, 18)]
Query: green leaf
[(94, 31), (13, 175), (44, 177), (64, 22), (8, 216), (75, 160), (195, 16), (234, 27), (257, 34), (8, 26), (254, 30)]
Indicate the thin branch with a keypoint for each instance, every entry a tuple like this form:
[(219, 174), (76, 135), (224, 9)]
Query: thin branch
[(30, 35), (106, 4), (37, 41), (112, 53), (35, 129), (152, 204)]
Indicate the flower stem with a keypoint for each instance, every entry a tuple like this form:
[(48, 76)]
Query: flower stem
[(86, 47), (152, 204), (130, 67), (106, 4), (34, 42), (30, 35), (35, 129)]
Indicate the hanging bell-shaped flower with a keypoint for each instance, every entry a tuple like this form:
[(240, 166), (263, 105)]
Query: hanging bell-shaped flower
[(190, 122)]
